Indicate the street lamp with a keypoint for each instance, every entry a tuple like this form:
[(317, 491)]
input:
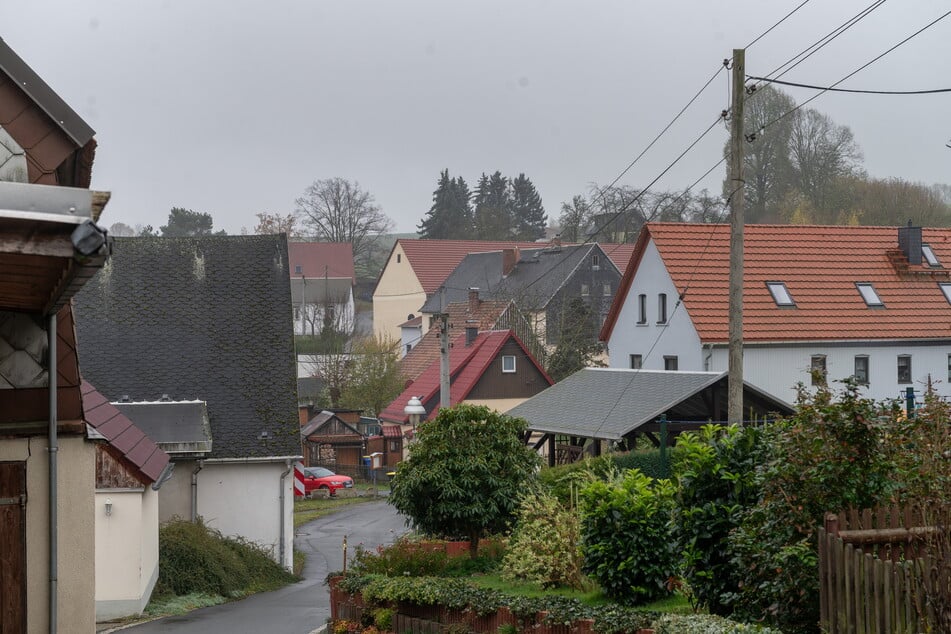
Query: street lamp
[(414, 409)]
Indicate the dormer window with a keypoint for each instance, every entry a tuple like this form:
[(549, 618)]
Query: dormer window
[(869, 294), (780, 294), (928, 254)]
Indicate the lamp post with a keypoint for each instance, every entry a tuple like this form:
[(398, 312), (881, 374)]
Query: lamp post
[(414, 409)]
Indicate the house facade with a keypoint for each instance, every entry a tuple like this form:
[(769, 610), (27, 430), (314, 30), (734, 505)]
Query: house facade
[(322, 279), (821, 303)]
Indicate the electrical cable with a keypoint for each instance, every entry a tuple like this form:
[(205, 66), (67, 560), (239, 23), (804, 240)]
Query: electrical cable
[(851, 90), (767, 31)]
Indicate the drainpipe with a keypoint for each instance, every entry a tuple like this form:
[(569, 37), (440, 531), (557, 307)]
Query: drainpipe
[(201, 464), (284, 475), (52, 384), (708, 359)]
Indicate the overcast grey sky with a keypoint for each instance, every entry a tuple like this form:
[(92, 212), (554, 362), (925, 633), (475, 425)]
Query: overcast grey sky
[(233, 107)]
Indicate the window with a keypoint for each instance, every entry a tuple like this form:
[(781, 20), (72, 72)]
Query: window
[(670, 363), (399, 258), (585, 290), (904, 368), (868, 294), (861, 369), (606, 289), (298, 269), (636, 362), (946, 289), (817, 368), (508, 363), (595, 262), (394, 445), (780, 294), (928, 254), (409, 347), (642, 309), (662, 308)]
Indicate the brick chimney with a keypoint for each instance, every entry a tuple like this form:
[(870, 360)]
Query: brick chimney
[(474, 300), (909, 241), (510, 258)]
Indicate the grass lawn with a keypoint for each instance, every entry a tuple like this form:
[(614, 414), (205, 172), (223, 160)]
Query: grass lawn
[(307, 510)]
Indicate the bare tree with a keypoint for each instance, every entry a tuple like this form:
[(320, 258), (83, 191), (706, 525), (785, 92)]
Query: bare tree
[(121, 230), (276, 223), (338, 210)]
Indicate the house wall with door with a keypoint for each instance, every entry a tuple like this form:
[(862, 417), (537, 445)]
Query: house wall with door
[(76, 461)]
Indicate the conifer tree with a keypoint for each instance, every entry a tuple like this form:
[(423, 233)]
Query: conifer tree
[(493, 208), (450, 217), (528, 214)]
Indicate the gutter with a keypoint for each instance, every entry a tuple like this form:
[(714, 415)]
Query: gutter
[(194, 513), (252, 460), (283, 540), (52, 384)]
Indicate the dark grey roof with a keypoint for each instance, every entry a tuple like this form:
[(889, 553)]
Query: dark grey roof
[(610, 403), (310, 388), (178, 427), (44, 96), (536, 278), (198, 319)]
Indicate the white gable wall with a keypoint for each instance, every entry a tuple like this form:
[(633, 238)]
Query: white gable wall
[(653, 341)]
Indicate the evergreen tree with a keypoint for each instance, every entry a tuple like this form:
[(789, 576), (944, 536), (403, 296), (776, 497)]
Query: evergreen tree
[(450, 217), (528, 214), (493, 208)]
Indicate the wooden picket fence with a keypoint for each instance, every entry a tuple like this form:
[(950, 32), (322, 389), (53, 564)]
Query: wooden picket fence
[(877, 574)]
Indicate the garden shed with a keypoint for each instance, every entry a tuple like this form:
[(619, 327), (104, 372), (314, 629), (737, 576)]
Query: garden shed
[(597, 406), (329, 440)]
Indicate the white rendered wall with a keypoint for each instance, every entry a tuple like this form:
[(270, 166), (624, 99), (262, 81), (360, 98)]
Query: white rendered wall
[(398, 294), (653, 341)]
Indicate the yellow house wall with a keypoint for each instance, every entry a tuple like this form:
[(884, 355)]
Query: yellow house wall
[(76, 465), (398, 294)]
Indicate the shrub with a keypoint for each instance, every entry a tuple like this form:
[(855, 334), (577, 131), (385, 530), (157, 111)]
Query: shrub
[(625, 537), (563, 481), (715, 470), (705, 624), (402, 557), (543, 548)]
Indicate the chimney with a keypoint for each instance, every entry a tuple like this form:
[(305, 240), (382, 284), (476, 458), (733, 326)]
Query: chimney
[(556, 241), (472, 331), (474, 299), (510, 258), (909, 241), (305, 413)]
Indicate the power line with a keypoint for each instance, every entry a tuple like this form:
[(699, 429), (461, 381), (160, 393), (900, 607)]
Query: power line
[(767, 31), (852, 90)]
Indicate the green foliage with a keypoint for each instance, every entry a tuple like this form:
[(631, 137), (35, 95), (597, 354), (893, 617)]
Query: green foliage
[(374, 378), (465, 474), (625, 536), (403, 557), (578, 346), (563, 481), (543, 548), (827, 457), (196, 559), (715, 471), (528, 214), (329, 341), (705, 624), (492, 216), (185, 223), (450, 217), (383, 619)]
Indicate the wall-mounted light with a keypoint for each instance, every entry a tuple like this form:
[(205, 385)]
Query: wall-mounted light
[(108, 506)]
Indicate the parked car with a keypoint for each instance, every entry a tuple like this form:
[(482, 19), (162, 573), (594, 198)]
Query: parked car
[(321, 478)]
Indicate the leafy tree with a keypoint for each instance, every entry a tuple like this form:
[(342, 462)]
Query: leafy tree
[(465, 474), (543, 548), (528, 214), (339, 210), (450, 217), (578, 346), (276, 223), (493, 208), (186, 223), (766, 161), (374, 378)]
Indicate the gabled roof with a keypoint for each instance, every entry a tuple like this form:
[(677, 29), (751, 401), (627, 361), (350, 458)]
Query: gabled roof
[(136, 450), (467, 364), (484, 317), (533, 281), (321, 419), (181, 428), (620, 254), (610, 403), (820, 266), (199, 318), (321, 259), (433, 260)]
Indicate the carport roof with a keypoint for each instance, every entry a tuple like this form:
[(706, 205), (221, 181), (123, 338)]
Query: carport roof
[(611, 403)]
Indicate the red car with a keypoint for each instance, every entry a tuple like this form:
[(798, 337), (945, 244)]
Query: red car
[(320, 478)]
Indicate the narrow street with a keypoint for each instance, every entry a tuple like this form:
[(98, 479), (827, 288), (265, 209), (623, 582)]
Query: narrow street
[(302, 607)]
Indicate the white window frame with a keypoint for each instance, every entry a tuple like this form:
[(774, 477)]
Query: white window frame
[(868, 369), (928, 254), (585, 290), (781, 294), (869, 294), (671, 359), (505, 359), (946, 289), (606, 289), (908, 380)]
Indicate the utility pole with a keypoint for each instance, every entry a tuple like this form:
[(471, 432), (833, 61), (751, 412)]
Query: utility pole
[(444, 353), (737, 201)]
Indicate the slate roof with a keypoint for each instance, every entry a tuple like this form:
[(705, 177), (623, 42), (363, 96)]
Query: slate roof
[(532, 283), (610, 403), (179, 427), (138, 452), (322, 418), (467, 364), (426, 350), (433, 260), (820, 266), (204, 318), (335, 259)]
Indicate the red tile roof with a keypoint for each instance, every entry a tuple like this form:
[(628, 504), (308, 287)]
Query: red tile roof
[(620, 254), (820, 266), (467, 364), (138, 452), (391, 431), (434, 260), (314, 258)]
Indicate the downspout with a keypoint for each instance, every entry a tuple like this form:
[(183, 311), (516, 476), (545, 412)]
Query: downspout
[(52, 384), (283, 541), (708, 358), (201, 464)]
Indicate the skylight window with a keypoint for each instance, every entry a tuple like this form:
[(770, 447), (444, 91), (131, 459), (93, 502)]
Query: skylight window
[(946, 289), (869, 294), (780, 294), (929, 255)]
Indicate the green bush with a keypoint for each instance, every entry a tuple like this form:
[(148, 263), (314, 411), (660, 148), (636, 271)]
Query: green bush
[(705, 624), (543, 548), (625, 537), (563, 481), (715, 471), (407, 557), (196, 559)]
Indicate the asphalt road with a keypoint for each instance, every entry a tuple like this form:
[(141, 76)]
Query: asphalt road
[(302, 607)]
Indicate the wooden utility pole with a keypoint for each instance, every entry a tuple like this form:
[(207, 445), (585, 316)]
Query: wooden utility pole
[(737, 201), (444, 385)]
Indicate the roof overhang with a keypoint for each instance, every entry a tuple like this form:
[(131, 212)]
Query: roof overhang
[(49, 245)]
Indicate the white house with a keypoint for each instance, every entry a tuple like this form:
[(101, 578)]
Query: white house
[(322, 278), (864, 302)]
